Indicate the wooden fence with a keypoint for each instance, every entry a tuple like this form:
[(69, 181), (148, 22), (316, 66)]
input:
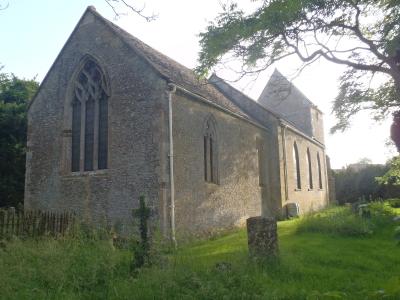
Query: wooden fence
[(34, 223)]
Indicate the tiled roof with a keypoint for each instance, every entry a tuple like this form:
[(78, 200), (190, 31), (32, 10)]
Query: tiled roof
[(172, 70)]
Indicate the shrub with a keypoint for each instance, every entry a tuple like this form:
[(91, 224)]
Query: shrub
[(381, 214), (141, 253), (395, 202)]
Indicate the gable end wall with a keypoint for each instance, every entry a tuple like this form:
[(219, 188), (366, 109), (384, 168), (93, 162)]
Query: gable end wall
[(136, 137)]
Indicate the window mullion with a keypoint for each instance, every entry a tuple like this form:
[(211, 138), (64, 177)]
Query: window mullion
[(82, 150), (96, 135), (75, 135), (212, 175), (205, 159)]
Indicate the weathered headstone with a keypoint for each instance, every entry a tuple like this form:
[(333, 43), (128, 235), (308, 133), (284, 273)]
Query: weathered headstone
[(292, 210), (262, 236)]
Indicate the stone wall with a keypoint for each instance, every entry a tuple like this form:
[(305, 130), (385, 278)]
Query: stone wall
[(308, 199), (204, 207), (251, 161), (317, 119), (136, 121)]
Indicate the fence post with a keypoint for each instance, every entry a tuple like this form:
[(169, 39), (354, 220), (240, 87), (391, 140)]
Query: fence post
[(34, 223), (54, 223), (8, 222), (12, 211), (17, 227), (47, 222), (2, 222)]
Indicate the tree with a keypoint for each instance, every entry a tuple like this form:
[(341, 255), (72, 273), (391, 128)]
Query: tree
[(15, 94), (3, 6), (115, 5), (363, 35), (352, 184), (365, 161), (392, 176)]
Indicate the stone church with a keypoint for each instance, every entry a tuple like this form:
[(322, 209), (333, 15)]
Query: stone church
[(114, 119)]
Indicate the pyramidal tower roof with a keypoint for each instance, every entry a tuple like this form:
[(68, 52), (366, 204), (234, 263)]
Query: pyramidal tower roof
[(280, 89)]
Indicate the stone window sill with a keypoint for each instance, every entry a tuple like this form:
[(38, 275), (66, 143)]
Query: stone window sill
[(211, 183), (96, 173), (297, 190)]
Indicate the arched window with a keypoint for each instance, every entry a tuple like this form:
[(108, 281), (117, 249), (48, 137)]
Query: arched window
[(297, 165), (210, 151), (262, 168), (89, 119), (319, 172), (310, 177)]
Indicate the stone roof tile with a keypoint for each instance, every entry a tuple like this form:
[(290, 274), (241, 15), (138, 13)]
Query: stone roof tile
[(172, 70)]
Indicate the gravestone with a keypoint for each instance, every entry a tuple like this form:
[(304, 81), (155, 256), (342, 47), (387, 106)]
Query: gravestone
[(262, 236)]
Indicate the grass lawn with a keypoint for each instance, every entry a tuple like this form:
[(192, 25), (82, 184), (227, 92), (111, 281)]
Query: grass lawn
[(312, 265)]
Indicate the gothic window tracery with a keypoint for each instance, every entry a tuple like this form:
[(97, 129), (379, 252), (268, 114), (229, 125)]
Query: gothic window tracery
[(89, 120)]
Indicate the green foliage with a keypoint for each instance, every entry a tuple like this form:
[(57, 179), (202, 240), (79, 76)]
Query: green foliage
[(314, 29), (352, 184), (381, 211), (395, 203), (15, 94), (312, 265), (336, 221), (142, 251), (392, 176), (397, 234), (69, 268), (361, 220)]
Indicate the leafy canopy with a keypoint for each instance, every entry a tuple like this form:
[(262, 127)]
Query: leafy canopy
[(363, 35), (353, 184), (392, 176), (15, 94)]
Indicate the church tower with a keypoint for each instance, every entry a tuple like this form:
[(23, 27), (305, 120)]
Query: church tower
[(283, 98)]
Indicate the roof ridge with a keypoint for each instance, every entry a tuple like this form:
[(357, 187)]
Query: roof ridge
[(170, 69), (89, 8), (164, 66), (115, 28), (248, 97), (275, 114)]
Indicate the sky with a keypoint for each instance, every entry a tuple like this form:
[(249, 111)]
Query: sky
[(33, 33)]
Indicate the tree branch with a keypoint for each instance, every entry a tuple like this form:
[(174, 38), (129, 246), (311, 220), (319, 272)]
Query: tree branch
[(139, 12), (5, 6), (319, 52)]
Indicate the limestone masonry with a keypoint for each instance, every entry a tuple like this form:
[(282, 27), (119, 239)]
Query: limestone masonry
[(99, 137)]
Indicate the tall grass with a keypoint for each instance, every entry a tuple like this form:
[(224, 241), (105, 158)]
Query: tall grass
[(66, 268), (312, 265), (344, 221)]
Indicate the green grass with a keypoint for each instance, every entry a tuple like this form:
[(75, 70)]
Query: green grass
[(312, 265), (341, 221)]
